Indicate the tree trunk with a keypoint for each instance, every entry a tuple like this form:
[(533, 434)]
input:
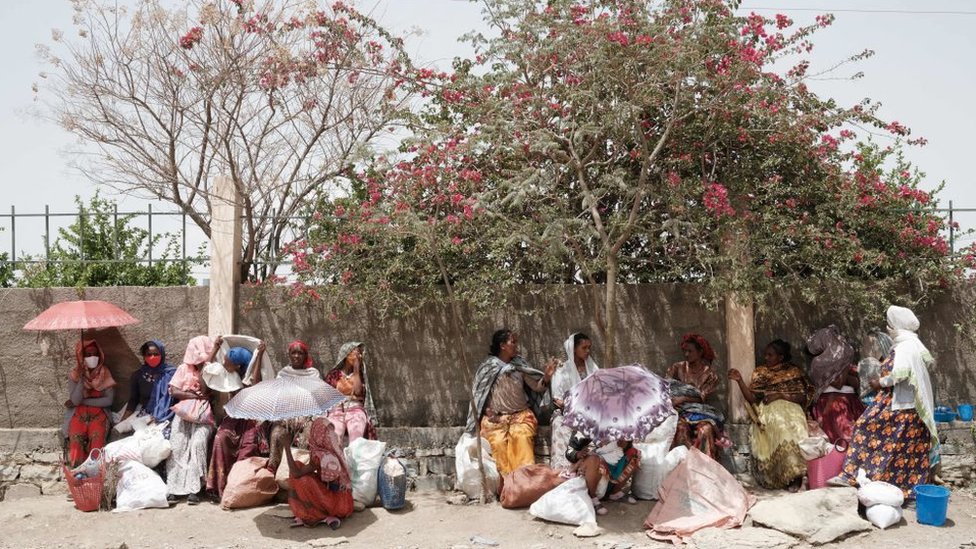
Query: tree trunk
[(610, 315)]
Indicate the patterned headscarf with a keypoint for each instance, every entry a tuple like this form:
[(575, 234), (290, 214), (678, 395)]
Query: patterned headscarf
[(708, 354), (97, 378), (326, 449), (299, 344), (198, 350)]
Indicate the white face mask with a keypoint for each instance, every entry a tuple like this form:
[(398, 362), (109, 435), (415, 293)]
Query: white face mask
[(91, 362)]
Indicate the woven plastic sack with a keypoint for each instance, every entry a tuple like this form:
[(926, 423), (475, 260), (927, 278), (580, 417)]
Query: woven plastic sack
[(568, 503), (392, 483), (364, 457)]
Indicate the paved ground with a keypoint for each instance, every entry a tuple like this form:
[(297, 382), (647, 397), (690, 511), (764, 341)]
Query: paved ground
[(428, 521)]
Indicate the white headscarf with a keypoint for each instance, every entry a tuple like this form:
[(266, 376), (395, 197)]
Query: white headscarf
[(566, 376), (910, 374)]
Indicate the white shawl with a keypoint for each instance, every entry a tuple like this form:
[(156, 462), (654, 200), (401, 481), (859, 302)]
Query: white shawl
[(909, 373), (566, 376)]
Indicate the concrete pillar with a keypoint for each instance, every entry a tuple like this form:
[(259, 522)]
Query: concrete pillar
[(225, 256), (740, 337)]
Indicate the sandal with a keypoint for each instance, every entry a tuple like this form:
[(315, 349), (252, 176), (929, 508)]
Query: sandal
[(333, 522)]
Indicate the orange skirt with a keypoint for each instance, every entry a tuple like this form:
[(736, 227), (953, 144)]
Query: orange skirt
[(312, 501)]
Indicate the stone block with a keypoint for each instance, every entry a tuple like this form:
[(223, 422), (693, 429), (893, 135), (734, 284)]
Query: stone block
[(53, 458), (21, 490), (40, 473), (817, 516), (434, 483), (412, 466), (440, 465), (420, 437), (9, 473), (54, 488), (29, 440), (428, 452)]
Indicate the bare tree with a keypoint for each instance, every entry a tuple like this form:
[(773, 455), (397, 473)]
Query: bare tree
[(284, 97)]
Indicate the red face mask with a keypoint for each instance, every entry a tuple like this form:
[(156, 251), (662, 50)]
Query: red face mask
[(153, 360)]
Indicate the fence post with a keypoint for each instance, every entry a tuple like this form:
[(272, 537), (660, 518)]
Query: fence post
[(952, 231), (225, 255), (740, 341)]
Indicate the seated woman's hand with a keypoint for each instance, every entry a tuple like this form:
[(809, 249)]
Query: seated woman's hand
[(735, 375), (69, 404)]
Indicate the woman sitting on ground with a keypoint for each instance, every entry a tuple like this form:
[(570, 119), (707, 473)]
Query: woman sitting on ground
[(349, 377), (780, 392), (283, 433), (836, 402), (192, 425), (578, 366), (608, 473), (90, 394), (693, 382), (320, 491), (236, 439), (149, 386)]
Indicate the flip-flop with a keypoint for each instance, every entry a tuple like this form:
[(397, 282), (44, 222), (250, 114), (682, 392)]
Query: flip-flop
[(333, 522), (296, 523)]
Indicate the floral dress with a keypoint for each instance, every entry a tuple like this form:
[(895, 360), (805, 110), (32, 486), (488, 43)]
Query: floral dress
[(891, 446)]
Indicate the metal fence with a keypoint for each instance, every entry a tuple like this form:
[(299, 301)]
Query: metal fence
[(42, 226), (42, 229)]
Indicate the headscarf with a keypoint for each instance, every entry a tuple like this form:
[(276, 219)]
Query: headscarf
[(240, 356), (832, 355), (333, 375), (910, 364), (198, 350), (188, 377), (299, 344), (567, 376), (708, 354), (95, 379), (160, 400), (325, 449)]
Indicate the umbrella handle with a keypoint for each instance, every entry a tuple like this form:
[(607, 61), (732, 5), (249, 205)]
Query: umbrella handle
[(753, 414)]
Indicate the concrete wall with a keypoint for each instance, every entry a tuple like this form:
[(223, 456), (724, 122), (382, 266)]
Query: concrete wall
[(418, 375)]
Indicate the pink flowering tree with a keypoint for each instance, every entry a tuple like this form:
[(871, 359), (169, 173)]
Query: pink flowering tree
[(676, 141), (283, 97), (609, 142)]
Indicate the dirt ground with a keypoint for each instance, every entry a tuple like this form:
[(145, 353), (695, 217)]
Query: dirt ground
[(428, 521)]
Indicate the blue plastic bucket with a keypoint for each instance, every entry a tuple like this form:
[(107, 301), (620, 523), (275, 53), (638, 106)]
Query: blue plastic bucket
[(931, 504), (965, 412)]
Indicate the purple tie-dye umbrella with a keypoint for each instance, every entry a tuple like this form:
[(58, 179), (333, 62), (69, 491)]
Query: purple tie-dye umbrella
[(624, 403)]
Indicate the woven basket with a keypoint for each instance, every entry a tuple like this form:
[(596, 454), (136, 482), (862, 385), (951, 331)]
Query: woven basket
[(86, 492)]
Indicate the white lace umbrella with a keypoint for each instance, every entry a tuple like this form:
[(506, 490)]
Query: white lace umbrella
[(294, 393)]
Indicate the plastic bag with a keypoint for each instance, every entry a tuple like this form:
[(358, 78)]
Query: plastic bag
[(139, 487), (364, 457), (873, 493), (884, 516), (815, 447), (467, 471), (568, 503), (123, 450), (654, 468), (153, 446), (132, 423)]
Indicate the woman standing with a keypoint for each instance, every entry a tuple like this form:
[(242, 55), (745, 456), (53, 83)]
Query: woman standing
[(780, 391), (895, 440), (699, 424), (320, 491), (192, 425), (349, 377), (836, 402), (90, 393), (149, 387), (579, 364)]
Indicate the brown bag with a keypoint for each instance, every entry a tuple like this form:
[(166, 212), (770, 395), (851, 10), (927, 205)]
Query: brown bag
[(523, 486), (249, 484)]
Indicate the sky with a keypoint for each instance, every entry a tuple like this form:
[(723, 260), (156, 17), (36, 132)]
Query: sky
[(922, 73)]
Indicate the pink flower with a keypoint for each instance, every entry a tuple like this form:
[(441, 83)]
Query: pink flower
[(716, 200), (191, 38), (457, 240)]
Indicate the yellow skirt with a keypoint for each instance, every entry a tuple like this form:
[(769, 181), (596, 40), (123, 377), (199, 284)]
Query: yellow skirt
[(512, 440), (775, 446)]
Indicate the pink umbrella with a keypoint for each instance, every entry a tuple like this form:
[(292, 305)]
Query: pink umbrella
[(623, 403), (80, 315), (294, 393)]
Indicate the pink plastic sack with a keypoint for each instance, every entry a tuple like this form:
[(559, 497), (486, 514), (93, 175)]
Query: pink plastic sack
[(822, 469), (699, 493)]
